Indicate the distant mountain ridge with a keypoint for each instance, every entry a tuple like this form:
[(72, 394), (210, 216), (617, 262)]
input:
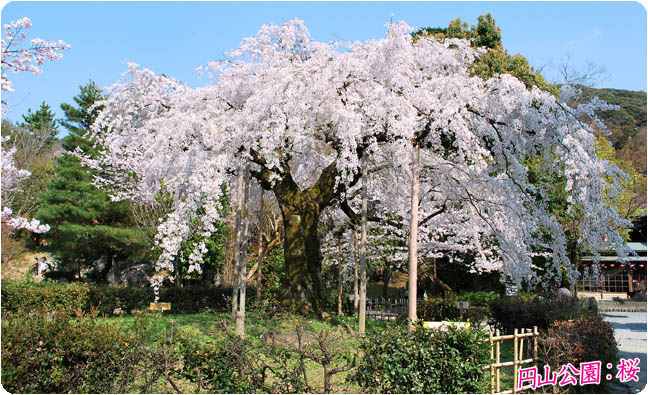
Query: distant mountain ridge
[(628, 124)]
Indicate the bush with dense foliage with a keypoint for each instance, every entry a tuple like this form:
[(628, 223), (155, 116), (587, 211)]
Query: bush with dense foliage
[(520, 312), (61, 355), (479, 298), (195, 299), (423, 361), (108, 299), (586, 339), (218, 366), (46, 295), (54, 296), (438, 308)]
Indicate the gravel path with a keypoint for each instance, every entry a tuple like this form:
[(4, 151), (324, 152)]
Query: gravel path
[(631, 334)]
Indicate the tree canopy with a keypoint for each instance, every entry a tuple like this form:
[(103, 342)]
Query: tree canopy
[(305, 113), (86, 224)]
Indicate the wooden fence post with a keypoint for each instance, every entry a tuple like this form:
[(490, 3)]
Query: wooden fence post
[(515, 360), (492, 370), (521, 357), (535, 343), (497, 360)]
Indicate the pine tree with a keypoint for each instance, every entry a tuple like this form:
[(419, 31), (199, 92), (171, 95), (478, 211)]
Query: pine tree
[(42, 124), (86, 224)]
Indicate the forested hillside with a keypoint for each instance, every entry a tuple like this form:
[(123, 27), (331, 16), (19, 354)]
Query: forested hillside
[(628, 124)]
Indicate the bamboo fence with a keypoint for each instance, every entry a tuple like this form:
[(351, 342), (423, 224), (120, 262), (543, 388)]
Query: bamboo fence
[(519, 359)]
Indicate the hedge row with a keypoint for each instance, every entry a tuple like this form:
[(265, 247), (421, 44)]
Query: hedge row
[(88, 355), (62, 355), (512, 312), (422, 361), (53, 296)]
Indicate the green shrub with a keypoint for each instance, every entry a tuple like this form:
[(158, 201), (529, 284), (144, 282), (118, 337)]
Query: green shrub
[(479, 298), (85, 354), (106, 299), (437, 308), (47, 295), (219, 366), (519, 312), (61, 354), (423, 361), (586, 339), (200, 298), (475, 315)]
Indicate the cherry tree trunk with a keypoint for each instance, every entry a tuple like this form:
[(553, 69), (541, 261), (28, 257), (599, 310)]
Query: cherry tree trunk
[(302, 255)]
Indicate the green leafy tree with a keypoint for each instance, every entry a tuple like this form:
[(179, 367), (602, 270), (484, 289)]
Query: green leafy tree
[(86, 224), (624, 123), (496, 60), (36, 142), (42, 124), (631, 203)]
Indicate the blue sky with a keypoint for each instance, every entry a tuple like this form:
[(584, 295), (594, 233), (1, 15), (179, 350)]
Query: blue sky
[(176, 37)]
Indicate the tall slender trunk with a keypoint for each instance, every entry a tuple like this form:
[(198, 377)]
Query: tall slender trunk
[(356, 302), (413, 242), (363, 251), (237, 245), (240, 317), (260, 254), (339, 284)]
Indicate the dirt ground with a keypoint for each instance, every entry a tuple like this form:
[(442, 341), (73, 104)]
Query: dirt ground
[(17, 269)]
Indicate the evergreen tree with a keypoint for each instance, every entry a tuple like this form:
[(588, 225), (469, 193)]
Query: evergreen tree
[(496, 60), (86, 224), (42, 124)]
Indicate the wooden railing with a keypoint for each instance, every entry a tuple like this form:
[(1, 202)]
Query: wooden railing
[(519, 348), (386, 309)]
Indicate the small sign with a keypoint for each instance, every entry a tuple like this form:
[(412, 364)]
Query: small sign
[(462, 305), (511, 289), (160, 306)]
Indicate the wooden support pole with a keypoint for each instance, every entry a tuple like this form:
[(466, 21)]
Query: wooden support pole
[(509, 363), (515, 360), (535, 343), (497, 360), (492, 370)]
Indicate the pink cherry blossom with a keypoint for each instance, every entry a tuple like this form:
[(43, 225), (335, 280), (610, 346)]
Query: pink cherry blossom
[(296, 107), (11, 178), (25, 59)]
